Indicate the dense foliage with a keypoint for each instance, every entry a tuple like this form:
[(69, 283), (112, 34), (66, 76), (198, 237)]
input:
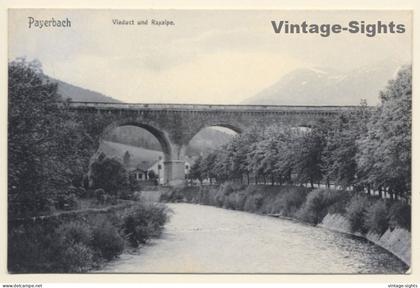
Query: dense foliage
[(144, 223), (80, 242), (50, 168), (364, 214), (108, 174), (364, 150), (47, 146)]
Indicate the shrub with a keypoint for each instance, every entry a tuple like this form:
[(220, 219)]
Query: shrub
[(340, 206), (317, 203), (207, 196), (290, 202), (100, 195), (259, 200), (40, 247), (273, 206), (249, 204), (238, 200), (355, 213), (107, 241), (72, 246), (166, 196), (234, 200), (220, 197), (377, 218), (74, 232), (77, 257), (211, 196), (126, 194), (81, 192), (144, 223), (253, 202), (200, 196), (177, 196), (400, 215), (227, 188), (67, 200), (187, 194), (29, 248), (227, 203), (49, 245)]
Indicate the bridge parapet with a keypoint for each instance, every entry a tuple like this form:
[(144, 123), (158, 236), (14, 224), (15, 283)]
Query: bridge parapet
[(207, 107)]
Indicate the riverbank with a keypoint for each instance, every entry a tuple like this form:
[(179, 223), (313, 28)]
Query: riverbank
[(80, 240), (387, 224), (397, 241)]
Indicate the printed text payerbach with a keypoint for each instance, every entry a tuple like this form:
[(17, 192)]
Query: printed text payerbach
[(52, 22)]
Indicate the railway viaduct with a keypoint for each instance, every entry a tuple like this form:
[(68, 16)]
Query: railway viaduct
[(174, 125)]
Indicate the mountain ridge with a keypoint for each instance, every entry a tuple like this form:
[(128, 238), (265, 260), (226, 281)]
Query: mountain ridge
[(80, 94), (327, 86)]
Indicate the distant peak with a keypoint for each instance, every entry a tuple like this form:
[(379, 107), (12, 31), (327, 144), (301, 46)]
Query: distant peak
[(328, 86)]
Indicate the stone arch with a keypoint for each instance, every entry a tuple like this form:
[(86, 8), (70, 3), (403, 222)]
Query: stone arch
[(159, 134), (173, 162), (234, 127)]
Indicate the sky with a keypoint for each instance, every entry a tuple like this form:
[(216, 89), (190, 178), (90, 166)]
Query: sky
[(208, 56)]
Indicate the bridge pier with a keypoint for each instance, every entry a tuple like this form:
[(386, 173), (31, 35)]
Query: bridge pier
[(174, 172)]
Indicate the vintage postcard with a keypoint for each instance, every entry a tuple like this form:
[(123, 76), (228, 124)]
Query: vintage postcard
[(218, 141)]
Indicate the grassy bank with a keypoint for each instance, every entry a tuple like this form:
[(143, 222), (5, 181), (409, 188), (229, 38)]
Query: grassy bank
[(365, 214), (80, 240)]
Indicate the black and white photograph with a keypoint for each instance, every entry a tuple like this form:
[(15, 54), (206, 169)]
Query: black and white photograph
[(217, 141)]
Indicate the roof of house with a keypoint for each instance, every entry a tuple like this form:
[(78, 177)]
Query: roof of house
[(146, 165)]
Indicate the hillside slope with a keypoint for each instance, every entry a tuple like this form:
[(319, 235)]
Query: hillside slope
[(138, 155), (79, 94)]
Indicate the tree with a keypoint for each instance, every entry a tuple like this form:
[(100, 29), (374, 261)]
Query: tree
[(108, 174), (236, 157), (285, 162), (126, 159), (257, 158), (219, 166), (151, 174), (195, 171), (245, 142), (207, 167), (308, 151), (273, 148), (385, 150), (45, 141), (339, 155)]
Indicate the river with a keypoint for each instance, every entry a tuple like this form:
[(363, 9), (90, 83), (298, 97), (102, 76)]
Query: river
[(205, 239)]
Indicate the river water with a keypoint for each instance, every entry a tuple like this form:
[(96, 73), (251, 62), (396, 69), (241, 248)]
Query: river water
[(205, 239)]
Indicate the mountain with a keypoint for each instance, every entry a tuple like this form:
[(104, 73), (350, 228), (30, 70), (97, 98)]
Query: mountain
[(76, 93), (325, 86)]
